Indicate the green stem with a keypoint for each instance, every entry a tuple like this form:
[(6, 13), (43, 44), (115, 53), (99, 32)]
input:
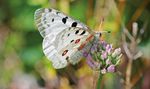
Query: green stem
[(99, 81)]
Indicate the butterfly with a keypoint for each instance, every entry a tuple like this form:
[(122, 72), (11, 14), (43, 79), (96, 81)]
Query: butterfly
[(64, 38)]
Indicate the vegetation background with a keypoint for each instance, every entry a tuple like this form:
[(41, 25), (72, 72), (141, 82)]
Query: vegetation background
[(24, 66)]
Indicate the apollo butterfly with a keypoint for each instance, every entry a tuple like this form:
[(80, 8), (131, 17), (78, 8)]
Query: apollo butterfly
[(64, 38)]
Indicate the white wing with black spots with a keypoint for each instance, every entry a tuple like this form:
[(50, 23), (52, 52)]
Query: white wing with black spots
[(63, 37), (66, 46), (51, 21)]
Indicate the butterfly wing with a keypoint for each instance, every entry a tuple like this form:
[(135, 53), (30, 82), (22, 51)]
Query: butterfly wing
[(51, 21), (53, 25), (68, 46)]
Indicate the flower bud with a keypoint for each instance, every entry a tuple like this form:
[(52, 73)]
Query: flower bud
[(93, 48), (116, 52), (103, 71), (111, 68), (108, 61), (93, 64), (104, 55), (85, 54), (109, 48)]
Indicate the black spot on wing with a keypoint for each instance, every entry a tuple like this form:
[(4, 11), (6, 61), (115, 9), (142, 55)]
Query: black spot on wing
[(57, 12), (71, 41), (68, 34), (49, 10), (66, 17), (74, 24), (67, 58), (53, 20), (64, 20), (83, 32), (77, 32)]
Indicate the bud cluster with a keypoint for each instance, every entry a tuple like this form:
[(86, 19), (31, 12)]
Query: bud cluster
[(103, 57)]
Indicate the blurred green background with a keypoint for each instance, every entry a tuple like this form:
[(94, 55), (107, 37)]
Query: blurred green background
[(24, 66)]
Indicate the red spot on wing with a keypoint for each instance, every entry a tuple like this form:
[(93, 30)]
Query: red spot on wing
[(65, 52), (77, 41)]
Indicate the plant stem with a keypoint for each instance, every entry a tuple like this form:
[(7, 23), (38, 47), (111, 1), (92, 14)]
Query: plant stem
[(99, 81), (128, 75)]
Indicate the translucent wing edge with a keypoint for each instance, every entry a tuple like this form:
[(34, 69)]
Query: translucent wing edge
[(52, 54)]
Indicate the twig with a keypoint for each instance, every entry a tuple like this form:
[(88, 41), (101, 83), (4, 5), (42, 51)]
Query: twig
[(128, 75), (95, 79), (136, 77), (131, 52)]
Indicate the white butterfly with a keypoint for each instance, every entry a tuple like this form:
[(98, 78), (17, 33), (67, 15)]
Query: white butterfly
[(64, 37)]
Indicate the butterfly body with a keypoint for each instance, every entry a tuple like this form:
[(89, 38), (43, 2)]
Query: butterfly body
[(64, 38)]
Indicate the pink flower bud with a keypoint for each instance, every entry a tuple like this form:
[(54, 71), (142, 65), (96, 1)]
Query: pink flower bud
[(93, 64), (103, 71), (111, 68), (109, 48), (108, 61), (104, 55)]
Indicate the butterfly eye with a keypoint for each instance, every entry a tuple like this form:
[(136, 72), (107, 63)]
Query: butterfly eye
[(65, 52)]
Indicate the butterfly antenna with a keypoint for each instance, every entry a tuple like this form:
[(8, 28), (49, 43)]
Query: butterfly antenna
[(100, 32), (105, 32), (101, 24)]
